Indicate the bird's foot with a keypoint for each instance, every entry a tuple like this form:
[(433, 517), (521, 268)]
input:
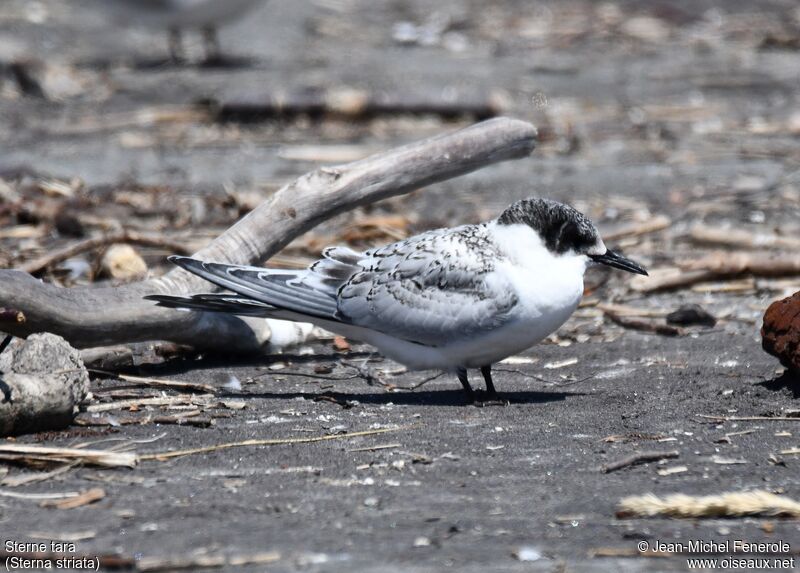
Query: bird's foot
[(489, 399), (229, 62), (217, 60)]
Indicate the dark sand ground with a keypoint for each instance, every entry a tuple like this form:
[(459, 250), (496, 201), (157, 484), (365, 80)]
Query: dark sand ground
[(681, 109)]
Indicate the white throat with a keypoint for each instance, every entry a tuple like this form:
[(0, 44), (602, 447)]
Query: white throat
[(524, 248)]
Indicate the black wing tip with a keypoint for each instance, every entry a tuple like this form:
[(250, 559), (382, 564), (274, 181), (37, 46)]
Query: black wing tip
[(181, 260), (162, 299), (167, 301)]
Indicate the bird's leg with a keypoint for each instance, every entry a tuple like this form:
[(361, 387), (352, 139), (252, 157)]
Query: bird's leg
[(492, 397), (462, 377), (175, 45), (211, 44), (487, 376)]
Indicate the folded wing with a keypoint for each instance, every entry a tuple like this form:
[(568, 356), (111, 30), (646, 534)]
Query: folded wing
[(433, 288)]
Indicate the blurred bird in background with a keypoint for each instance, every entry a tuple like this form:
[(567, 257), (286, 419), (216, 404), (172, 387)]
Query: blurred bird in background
[(175, 16)]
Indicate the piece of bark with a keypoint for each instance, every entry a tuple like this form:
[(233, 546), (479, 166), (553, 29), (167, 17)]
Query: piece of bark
[(691, 314), (114, 315), (644, 325), (42, 380), (780, 334)]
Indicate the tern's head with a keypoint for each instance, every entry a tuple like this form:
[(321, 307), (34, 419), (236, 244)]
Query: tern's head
[(565, 231)]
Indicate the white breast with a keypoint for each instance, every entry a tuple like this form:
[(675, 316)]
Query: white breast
[(548, 288), (547, 285)]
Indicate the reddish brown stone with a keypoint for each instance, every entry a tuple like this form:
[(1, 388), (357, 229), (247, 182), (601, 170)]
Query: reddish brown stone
[(780, 335)]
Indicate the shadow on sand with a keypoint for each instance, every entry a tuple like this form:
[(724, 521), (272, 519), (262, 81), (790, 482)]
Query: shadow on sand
[(453, 397), (786, 381), (444, 397)]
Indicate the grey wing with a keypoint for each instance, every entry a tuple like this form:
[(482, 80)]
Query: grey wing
[(310, 293), (431, 289), (215, 302)]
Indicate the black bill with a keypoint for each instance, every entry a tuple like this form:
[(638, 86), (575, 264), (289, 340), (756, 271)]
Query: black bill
[(615, 260)]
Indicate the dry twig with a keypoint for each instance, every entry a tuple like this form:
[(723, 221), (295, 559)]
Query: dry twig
[(643, 325), (655, 224), (191, 418), (137, 402), (639, 458), (26, 453), (376, 448), (161, 383), (34, 477), (624, 310), (85, 498), (40, 496), (156, 564), (127, 237), (271, 442), (750, 418)]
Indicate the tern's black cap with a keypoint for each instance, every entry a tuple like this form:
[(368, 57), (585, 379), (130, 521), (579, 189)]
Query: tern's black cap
[(561, 227)]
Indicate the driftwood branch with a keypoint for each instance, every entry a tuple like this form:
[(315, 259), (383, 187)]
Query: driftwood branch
[(741, 238), (720, 266), (105, 316)]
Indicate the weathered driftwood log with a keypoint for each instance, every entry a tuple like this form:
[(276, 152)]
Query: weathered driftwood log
[(722, 265), (41, 382), (780, 335), (105, 316), (741, 238)]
